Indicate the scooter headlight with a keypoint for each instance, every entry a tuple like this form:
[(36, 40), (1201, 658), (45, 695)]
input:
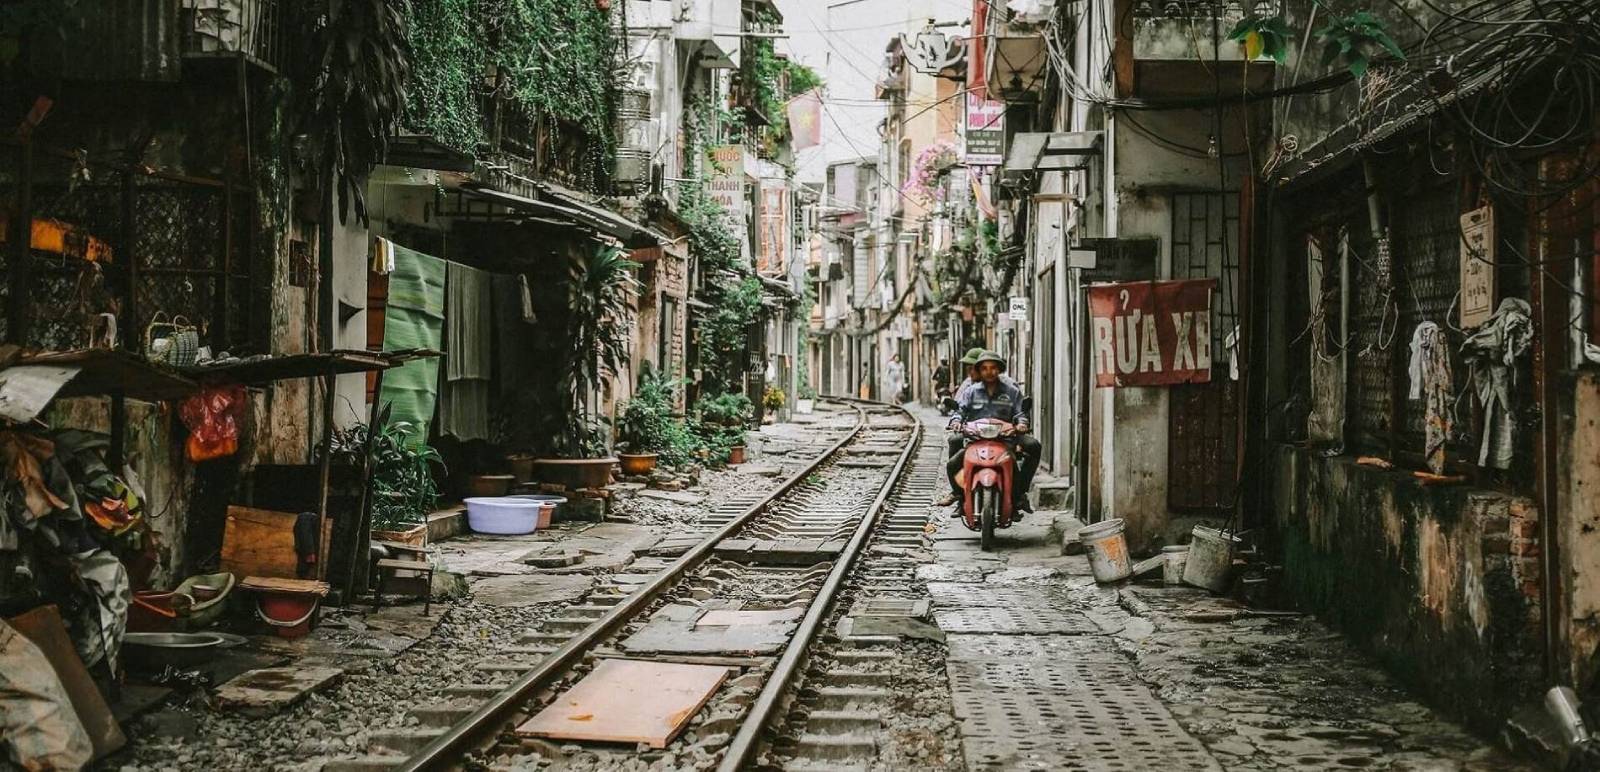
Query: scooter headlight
[(989, 431)]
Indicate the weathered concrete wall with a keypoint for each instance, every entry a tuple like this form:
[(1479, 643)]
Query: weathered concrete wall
[(1440, 584)]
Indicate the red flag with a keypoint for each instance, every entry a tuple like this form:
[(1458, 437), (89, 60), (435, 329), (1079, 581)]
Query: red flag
[(805, 119)]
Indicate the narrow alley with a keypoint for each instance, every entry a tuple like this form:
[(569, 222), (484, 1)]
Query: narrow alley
[(802, 385)]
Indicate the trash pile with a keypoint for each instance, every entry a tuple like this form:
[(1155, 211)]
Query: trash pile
[(71, 531)]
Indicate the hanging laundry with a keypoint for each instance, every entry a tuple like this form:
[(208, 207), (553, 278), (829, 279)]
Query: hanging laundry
[(469, 325), (414, 319), (1493, 352), (1431, 382), (382, 255)]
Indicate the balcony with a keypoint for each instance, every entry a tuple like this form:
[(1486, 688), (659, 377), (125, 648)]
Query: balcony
[(230, 28), (1165, 48)]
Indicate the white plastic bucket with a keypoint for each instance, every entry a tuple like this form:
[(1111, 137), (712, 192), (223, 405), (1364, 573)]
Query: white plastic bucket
[(503, 515), (1173, 559), (1210, 559), (1107, 550)]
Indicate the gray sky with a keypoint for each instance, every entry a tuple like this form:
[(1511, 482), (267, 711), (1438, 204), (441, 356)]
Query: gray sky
[(844, 40)]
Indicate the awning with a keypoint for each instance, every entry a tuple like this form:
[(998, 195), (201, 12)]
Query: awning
[(604, 220), (1405, 108), (1051, 151), (566, 209)]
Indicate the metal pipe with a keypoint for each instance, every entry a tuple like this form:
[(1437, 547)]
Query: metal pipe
[(436, 754), (745, 742)]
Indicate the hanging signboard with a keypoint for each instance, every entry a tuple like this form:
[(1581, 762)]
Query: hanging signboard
[(1477, 266), (986, 131), (1018, 310), (1152, 333), (773, 254), (725, 174)]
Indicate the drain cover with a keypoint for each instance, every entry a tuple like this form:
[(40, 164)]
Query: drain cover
[(1028, 620), (1040, 714), (1060, 648)]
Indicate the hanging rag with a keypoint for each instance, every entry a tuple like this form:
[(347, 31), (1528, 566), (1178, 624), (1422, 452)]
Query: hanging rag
[(1492, 352), (383, 255), (468, 324), (106, 581), (526, 299), (307, 543), (1431, 382), (414, 319)]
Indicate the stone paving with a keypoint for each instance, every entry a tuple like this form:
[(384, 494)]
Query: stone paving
[(1050, 671)]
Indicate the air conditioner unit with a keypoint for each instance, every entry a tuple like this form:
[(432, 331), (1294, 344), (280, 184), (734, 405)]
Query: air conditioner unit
[(631, 169)]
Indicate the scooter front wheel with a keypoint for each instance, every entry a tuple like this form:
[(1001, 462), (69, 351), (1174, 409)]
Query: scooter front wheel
[(987, 502)]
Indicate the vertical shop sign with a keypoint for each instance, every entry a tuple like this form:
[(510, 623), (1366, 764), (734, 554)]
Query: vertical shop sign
[(1477, 266)]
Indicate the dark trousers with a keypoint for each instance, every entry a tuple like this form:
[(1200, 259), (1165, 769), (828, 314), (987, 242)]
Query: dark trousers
[(1026, 447)]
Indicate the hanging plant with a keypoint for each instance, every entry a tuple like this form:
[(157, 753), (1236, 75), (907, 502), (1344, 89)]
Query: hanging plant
[(928, 172), (1356, 38), (1262, 35), (355, 65)]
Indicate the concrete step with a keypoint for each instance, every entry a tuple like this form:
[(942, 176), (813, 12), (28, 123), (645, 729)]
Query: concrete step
[(836, 747), (407, 741)]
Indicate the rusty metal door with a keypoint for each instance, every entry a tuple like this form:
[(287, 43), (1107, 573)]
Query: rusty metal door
[(1203, 418)]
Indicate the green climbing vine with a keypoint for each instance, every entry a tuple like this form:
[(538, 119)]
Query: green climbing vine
[(546, 58)]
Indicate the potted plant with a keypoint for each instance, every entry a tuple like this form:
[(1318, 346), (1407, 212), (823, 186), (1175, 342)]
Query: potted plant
[(804, 403), (597, 298), (773, 400), (645, 425), (729, 409), (403, 486)]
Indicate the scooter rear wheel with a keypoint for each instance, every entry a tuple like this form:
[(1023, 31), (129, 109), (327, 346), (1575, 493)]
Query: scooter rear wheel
[(987, 502)]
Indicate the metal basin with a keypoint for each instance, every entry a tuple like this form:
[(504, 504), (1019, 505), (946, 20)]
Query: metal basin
[(153, 651)]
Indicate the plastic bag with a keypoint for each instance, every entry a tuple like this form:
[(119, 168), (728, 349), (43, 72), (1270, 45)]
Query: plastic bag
[(212, 417)]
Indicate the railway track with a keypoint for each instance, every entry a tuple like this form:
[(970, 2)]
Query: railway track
[(792, 554)]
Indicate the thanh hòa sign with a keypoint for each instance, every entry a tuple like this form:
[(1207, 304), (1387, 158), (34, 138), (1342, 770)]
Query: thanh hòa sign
[(1477, 266), (1153, 333)]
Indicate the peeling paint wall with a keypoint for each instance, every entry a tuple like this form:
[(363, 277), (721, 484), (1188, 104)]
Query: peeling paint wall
[(1440, 584), (1579, 526)]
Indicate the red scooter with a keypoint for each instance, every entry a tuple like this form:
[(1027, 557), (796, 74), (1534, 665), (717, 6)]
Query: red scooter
[(987, 470)]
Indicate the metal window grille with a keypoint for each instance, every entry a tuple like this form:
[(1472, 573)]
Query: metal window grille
[(1205, 245)]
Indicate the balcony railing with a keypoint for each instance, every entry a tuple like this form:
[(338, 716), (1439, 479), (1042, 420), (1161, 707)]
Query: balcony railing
[(255, 28), (1204, 9)]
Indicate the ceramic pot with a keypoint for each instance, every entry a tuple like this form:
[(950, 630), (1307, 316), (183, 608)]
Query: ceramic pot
[(637, 463)]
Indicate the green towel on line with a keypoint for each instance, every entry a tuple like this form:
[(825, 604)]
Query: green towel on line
[(414, 319)]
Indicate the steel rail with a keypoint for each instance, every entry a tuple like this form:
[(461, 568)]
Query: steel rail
[(443, 749), (744, 744)]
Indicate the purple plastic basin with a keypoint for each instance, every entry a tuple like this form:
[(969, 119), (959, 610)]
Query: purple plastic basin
[(503, 515)]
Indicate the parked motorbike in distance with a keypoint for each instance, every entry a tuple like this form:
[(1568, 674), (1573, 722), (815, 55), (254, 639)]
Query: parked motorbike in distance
[(987, 471)]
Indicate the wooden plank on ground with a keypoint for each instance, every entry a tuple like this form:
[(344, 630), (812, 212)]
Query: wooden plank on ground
[(628, 701)]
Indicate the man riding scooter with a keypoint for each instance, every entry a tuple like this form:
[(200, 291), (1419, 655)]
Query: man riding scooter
[(992, 397), (956, 442)]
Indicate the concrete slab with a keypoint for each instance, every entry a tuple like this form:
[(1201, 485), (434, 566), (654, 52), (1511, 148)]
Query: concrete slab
[(266, 691), (677, 497), (674, 630), (519, 591)]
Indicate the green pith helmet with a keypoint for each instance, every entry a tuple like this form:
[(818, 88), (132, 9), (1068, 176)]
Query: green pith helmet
[(972, 356), (990, 356)]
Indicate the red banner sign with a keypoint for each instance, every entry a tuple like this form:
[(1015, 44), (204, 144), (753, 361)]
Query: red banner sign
[(1151, 333)]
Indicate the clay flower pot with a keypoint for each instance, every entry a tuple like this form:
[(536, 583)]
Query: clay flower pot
[(736, 455), (521, 467), (637, 463)]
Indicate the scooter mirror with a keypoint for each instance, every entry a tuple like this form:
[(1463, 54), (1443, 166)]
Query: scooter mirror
[(1027, 404)]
